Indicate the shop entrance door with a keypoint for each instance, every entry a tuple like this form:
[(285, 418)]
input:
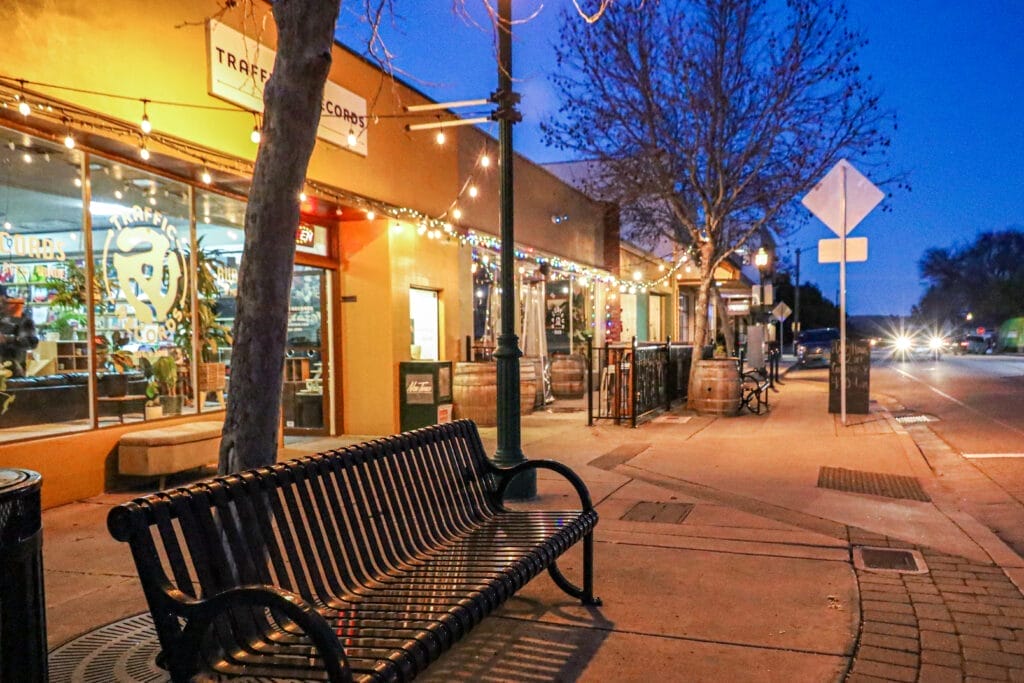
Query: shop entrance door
[(306, 390)]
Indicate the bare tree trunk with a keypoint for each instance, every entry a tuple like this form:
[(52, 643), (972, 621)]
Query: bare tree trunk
[(700, 334), (728, 331), (292, 101)]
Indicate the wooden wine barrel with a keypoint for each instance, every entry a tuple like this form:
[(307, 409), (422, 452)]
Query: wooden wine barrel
[(475, 392), (717, 386), (528, 382), (568, 376)]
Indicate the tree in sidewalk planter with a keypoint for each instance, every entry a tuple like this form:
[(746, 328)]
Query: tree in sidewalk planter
[(292, 99), (707, 120)]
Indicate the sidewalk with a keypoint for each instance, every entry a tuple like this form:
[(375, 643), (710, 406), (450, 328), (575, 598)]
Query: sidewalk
[(719, 556)]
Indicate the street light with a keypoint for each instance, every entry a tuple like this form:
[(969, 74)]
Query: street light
[(509, 452), (761, 260)]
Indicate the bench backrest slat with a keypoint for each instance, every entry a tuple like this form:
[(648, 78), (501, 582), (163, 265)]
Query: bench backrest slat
[(319, 526)]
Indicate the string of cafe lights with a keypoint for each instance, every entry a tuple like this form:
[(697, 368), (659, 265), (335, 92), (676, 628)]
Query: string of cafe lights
[(72, 119)]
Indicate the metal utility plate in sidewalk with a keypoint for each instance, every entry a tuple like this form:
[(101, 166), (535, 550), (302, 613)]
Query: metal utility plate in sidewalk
[(871, 483), (663, 513), (892, 560)]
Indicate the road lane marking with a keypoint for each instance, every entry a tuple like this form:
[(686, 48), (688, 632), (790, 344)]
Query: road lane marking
[(959, 402), (982, 456)]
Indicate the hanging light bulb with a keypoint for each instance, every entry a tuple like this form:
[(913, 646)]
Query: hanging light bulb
[(77, 181), (370, 215), (69, 139), (456, 213), (143, 152), (485, 161), (145, 126), (255, 135), (302, 196), (23, 106), (473, 192), (440, 137), (205, 176), (352, 139), (422, 229), (118, 194)]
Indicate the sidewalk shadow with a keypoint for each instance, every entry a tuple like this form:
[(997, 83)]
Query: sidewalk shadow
[(509, 648)]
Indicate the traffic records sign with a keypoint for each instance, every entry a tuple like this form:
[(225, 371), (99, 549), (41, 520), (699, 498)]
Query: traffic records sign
[(825, 200)]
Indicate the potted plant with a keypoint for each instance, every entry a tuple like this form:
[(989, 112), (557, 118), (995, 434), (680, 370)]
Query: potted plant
[(154, 409), (212, 334), (165, 375)]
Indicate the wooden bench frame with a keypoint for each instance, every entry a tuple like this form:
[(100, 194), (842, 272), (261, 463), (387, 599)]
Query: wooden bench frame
[(365, 563), (754, 385)]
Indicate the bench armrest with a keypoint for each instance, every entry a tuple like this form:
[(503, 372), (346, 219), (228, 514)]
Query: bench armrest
[(201, 613), (505, 475)]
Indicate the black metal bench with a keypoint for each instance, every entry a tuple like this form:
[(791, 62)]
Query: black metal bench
[(754, 386), (365, 563)]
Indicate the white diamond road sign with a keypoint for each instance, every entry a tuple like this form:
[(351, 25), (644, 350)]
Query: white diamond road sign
[(781, 312), (825, 200)]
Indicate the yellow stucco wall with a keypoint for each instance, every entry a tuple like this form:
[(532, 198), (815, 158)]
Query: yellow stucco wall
[(158, 51)]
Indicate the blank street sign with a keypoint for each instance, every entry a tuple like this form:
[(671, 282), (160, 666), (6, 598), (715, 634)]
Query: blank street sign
[(831, 251), (825, 200)]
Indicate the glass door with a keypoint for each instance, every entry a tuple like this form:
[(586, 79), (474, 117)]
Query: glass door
[(304, 400)]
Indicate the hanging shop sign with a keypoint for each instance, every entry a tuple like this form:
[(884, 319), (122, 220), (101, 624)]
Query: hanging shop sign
[(239, 68)]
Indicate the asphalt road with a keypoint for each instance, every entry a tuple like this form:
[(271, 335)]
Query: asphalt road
[(978, 400), (975, 406)]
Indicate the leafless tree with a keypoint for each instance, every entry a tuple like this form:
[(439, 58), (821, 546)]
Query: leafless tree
[(707, 119), (292, 97)]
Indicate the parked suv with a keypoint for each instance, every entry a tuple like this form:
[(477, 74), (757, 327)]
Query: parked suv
[(814, 346)]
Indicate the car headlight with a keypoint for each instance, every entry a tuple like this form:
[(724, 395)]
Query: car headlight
[(902, 343), (936, 343), (801, 350)]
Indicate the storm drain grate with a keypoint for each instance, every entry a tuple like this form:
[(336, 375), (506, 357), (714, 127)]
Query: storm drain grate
[(663, 513), (124, 651), (889, 560), (915, 419), (871, 483)]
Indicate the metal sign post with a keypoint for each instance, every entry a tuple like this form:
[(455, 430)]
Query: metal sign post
[(841, 207)]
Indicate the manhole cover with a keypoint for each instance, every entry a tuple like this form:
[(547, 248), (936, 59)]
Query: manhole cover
[(889, 560), (915, 419), (871, 483), (664, 513)]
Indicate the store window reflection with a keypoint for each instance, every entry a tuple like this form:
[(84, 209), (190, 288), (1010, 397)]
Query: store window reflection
[(219, 240), (303, 392), (43, 347), (142, 335)]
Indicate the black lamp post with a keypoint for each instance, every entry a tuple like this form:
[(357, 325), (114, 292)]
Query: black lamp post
[(507, 354)]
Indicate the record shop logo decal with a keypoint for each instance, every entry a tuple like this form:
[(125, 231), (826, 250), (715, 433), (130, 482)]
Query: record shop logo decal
[(143, 261)]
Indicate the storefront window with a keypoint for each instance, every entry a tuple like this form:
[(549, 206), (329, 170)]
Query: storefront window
[(423, 321), (303, 398), (684, 317), (43, 349), (143, 323), (219, 240)]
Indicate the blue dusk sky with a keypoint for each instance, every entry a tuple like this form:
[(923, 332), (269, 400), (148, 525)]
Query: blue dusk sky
[(951, 71)]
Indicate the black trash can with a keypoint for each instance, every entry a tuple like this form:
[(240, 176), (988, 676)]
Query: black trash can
[(22, 607)]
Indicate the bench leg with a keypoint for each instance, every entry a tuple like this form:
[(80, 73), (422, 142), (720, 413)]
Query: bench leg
[(585, 594)]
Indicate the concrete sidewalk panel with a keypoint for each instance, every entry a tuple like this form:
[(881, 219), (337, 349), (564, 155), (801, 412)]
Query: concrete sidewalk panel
[(509, 649), (728, 597)]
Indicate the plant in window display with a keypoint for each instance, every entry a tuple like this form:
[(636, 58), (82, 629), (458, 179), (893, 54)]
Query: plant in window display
[(212, 334), (165, 376)]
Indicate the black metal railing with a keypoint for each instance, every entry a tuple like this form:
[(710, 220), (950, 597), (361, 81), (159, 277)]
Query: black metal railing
[(634, 380)]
